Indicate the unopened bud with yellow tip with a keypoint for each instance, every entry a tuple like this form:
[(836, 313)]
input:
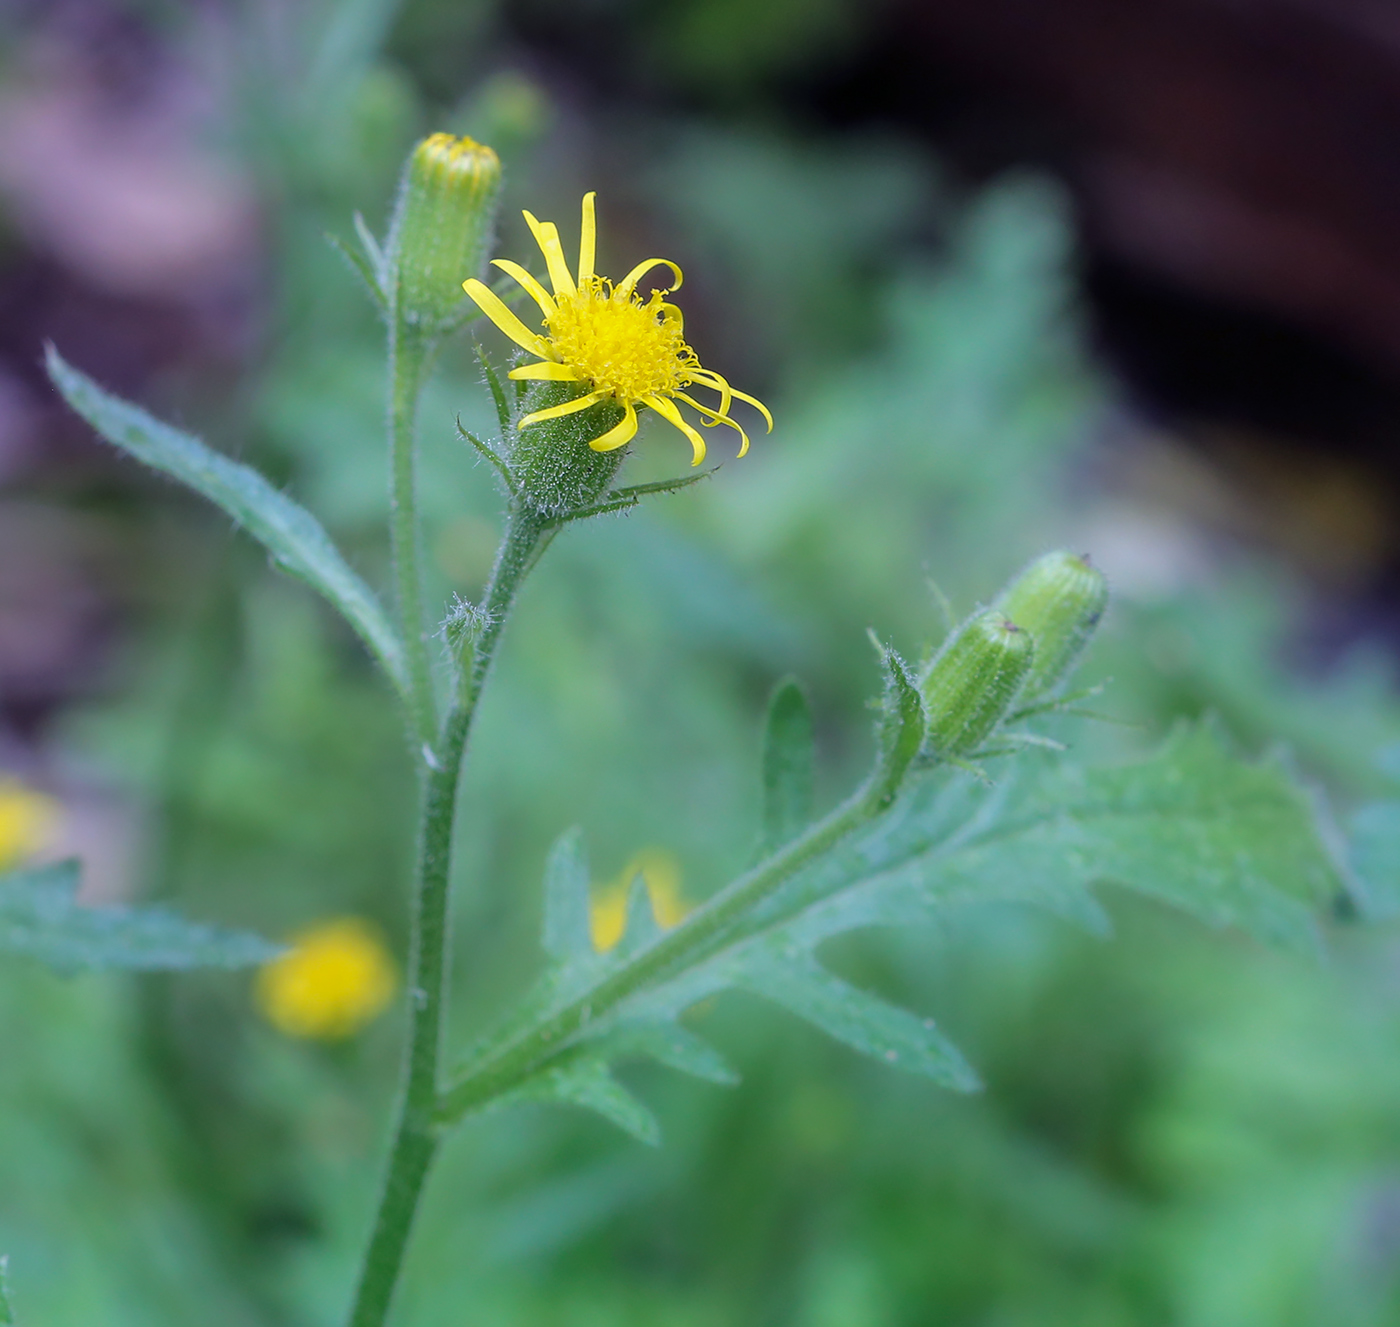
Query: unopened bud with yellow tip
[(1059, 600), (973, 681), (442, 228)]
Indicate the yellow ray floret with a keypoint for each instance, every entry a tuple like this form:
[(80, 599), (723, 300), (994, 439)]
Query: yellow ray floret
[(661, 875), (627, 349)]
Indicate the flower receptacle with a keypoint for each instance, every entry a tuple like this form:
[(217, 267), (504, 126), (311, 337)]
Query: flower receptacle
[(555, 469), (1059, 600), (441, 230), (973, 681)]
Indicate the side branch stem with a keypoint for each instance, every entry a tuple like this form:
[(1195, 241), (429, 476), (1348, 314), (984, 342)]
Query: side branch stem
[(508, 1065), (417, 1132)]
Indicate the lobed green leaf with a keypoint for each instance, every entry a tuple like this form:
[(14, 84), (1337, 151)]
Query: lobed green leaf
[(797, 982), (903, 725), (366, 264), (1233, 843), (586, 1082), (566, 885), (41, 918)]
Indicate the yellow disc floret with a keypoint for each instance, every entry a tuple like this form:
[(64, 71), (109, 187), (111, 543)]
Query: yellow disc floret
[(627, 349), (620, 345)]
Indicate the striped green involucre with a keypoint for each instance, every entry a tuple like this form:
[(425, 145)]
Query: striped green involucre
[(442, 227), (1059, 600), (973, 682)]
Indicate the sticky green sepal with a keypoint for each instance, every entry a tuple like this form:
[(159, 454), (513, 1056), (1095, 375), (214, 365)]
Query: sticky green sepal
[(555, 470)]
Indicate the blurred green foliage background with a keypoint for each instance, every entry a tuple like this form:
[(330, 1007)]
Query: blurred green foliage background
[(1177, 1129)]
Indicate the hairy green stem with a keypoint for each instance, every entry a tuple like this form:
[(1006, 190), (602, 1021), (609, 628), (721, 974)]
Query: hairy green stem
[(408, 368), (417, 1132), (510, 1063)]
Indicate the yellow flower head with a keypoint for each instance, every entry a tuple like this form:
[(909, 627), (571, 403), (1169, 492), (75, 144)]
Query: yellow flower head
[(336, 977), (26, 822), (661, 874), (627, 349)]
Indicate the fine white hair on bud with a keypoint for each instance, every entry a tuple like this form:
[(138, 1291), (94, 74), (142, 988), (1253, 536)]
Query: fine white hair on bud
[(973, 681), (441, 230), (1059, 599)]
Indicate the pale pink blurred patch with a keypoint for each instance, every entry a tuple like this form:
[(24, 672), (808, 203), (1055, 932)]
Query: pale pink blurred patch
[(103, 830), (121, 190), (19, 424)]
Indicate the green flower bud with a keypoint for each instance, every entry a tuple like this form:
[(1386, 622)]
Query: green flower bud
[(1059, 599), (442, 227), (974, 680)]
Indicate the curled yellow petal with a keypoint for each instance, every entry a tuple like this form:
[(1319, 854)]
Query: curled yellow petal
[(667, 410), (491, 305), (629, 283), (757, 405), (568, 408), (718, 382), (588, 240), (546, 235), (536, 291), (715, 417), (620, 434)]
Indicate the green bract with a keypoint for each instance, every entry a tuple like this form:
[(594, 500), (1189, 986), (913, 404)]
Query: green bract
[(555, 469)]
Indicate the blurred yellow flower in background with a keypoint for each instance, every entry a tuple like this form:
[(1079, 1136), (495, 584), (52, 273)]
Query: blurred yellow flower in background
[(337, 977), (27, 820), (661, 874)]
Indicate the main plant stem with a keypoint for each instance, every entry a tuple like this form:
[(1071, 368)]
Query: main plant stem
[(408, 366), (417, 1132)]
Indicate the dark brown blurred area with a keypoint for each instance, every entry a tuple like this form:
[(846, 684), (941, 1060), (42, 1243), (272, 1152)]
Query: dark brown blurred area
[(1241, 150), (1235, 163), (1236, 171)]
